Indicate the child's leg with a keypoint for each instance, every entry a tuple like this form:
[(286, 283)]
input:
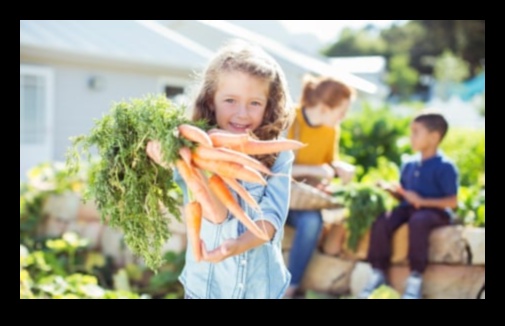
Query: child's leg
[(379, 250), (421, 223), (308, 226)]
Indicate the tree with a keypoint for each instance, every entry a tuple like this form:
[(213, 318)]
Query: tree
[(402, 78), (449, 71), (357, 42)]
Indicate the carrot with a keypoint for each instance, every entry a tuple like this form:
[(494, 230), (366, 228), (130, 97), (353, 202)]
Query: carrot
[(219, 188), (195, 134), (193, 214), (229, 169), (199, 189), (185, 154), (242, 192), (222, 139), (225, 154), (259, 147)]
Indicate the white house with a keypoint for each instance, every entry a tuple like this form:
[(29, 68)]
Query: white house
[(72, 71)]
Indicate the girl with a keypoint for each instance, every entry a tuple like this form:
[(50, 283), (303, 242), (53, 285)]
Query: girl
[(323, 105), (243, 89)]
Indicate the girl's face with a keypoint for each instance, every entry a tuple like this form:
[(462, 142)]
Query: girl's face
[(240, 101), (334, 116)]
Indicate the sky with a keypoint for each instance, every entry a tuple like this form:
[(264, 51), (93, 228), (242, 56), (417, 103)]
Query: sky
[(328, 30)]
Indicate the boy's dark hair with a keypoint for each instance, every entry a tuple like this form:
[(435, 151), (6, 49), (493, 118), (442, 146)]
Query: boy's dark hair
[(433, 121)]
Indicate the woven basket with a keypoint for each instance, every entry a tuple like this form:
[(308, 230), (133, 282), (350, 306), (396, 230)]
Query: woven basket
[(306, 197)]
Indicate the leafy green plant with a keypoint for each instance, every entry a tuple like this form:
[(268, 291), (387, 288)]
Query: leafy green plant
[(44, 180), (471, 206), (44, 275), (466, 147), (371, 133), (364, 204), (127, 186)]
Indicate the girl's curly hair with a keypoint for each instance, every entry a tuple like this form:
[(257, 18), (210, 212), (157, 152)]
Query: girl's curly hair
[(251, 59)]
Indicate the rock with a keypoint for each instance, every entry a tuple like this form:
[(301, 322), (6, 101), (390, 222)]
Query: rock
[(327, 274), (476, 241), (334, 240), (361, 251), (447, 245), (359, 277), (92, 231), (63, 206), (443, 281), (88, 212)]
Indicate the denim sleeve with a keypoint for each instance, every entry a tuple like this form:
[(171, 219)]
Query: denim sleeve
[(275, 201), (180, 182)]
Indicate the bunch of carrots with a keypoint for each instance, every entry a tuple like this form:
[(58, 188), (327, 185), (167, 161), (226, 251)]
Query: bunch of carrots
[(217, 162)]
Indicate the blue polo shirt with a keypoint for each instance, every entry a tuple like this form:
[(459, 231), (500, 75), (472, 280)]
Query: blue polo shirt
[(435, 177)]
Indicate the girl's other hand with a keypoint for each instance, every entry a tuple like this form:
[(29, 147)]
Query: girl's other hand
[(153, 150), (225, 250), (345, 171)]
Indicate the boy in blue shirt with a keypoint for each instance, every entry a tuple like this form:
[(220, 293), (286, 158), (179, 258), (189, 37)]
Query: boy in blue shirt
[(427, 193)]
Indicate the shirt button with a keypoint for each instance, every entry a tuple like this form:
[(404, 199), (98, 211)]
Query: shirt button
[(243, 262), (241, 285)]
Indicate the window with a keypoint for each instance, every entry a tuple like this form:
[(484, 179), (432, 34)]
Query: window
[(33, 105)]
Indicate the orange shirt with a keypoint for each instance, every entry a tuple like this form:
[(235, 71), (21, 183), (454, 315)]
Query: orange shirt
[(322, 141)]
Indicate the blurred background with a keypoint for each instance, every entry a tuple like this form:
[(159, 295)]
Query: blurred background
[(71, 72)]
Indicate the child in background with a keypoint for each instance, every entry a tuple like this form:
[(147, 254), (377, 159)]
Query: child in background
[(243, 89), (323, 105), (427, 192)]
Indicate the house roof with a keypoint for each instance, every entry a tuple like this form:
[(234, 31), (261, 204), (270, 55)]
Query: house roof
[(127, 41), (212, 34), (360, 65)]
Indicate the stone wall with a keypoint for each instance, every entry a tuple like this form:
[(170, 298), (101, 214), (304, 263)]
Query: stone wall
[(456, 261)]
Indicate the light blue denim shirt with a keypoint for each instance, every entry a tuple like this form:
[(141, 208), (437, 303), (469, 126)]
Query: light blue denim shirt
[(259, 273)]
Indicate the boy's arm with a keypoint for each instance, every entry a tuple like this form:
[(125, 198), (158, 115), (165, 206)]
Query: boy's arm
[(442, 203)]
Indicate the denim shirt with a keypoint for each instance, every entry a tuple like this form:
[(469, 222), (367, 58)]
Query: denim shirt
[(259, 273)]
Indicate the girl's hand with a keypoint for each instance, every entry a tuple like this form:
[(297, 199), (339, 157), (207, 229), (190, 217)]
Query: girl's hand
[(153, 150), (225, 250), (345, 171)]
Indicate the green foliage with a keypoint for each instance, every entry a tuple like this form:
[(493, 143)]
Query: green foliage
[(53, 272), (385, 171), (351, 42), (466, 147), (127, 186), (449, 71), (364, 204), (402, 78), (472, 206), (44, 180), (371, 133)]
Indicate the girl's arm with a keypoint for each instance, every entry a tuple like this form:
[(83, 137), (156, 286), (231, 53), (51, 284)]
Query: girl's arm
[(274, 209), (323, 171)]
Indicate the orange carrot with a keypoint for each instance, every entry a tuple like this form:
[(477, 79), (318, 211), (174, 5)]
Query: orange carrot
[(242, 192), (199, 190), (219, 188), (195, 134), (229, 169), (259, 147), (193, 215), (222, 139), (225, 154), (185, 154)]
